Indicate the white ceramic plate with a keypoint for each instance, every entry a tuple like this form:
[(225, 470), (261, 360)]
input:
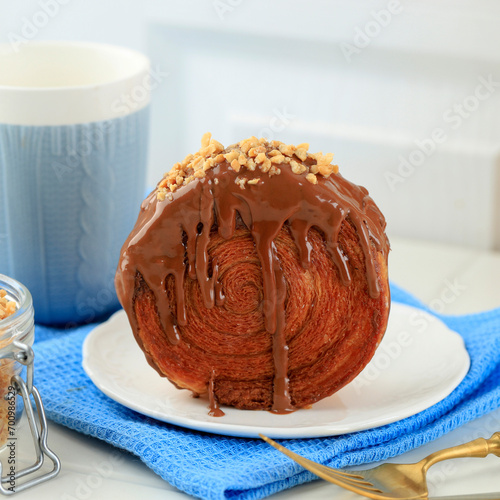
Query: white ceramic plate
[(419, 362)]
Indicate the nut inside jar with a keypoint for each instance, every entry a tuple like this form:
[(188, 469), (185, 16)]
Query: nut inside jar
[(7, 307)]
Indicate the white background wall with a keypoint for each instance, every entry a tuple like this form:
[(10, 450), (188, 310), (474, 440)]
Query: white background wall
[(407, 100)]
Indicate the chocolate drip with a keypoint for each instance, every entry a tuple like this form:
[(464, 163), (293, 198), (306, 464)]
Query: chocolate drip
[(281, 396), (171, 239), (215, 411)]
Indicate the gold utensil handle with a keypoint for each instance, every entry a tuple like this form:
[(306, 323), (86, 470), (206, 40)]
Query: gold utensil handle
[(479, 448)]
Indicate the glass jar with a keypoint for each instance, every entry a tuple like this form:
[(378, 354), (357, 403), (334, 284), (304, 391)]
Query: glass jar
[(17, 392)]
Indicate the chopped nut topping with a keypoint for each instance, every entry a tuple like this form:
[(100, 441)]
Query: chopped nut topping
[(312, 178), (187, 160), (301, 153), (250, 154), (205, 139), (241, 181), (278, 159), (325, 170), (218, 146), (297, 168), (261, 158), (231, 156), (247, 144), (198, 162), (266, 165), (322, 159), (235, 165), (286, 149), (161, 193), (256, 151), (251, 164), (7, 307)]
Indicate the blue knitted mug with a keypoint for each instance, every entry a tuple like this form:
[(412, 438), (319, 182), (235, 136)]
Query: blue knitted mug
[(73, 151)]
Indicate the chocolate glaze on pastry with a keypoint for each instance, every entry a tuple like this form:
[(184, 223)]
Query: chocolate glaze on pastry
[(257, 274)]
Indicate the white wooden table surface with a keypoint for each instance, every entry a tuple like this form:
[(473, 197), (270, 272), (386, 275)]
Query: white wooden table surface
[(454, 280)]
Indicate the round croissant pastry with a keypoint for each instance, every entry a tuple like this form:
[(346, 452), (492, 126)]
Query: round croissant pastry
[(257, 274)]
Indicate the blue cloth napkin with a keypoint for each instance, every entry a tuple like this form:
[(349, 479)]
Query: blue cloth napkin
[(215, 467)]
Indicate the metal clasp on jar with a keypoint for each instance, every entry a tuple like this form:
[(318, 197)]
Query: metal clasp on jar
[(24, 355)]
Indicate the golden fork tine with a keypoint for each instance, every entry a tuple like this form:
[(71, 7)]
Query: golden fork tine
[(343, 479)]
